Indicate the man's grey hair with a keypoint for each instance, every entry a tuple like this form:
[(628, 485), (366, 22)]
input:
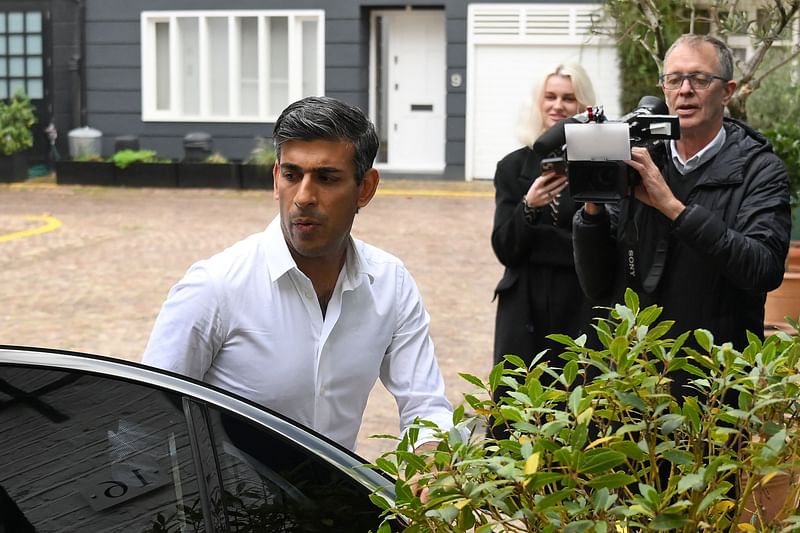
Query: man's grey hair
[(322, 117), (724, 54)]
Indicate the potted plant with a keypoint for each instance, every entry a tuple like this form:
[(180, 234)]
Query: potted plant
[(256, 170), (85, 170), (143, 168), (617, 452), (17, 117), (785, 300), (214, 171)]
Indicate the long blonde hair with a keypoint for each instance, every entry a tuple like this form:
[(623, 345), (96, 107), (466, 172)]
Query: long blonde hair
[(531, 124)]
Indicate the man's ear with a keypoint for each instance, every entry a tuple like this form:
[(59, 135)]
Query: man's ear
[(368, 187), (276, 174), (727, 91)]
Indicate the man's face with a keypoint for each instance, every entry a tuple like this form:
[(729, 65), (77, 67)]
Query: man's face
[(315, 185), (700, 110)]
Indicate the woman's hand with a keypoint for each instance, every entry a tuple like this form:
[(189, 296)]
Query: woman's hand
[(545, 188)]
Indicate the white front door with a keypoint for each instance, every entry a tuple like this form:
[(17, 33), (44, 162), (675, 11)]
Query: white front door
[(409, 88)]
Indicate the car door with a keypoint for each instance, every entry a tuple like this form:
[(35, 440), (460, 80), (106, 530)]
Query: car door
[(91, 444)]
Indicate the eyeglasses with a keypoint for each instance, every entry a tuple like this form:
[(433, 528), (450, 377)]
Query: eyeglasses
[(697, 80)]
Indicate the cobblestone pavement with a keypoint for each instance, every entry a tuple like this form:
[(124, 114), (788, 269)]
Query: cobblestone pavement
[(96, 283)]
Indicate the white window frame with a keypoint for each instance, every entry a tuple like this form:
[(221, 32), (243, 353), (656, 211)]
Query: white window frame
[(149, 19)]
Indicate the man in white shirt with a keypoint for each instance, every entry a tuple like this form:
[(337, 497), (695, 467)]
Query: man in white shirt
[(303, 318)]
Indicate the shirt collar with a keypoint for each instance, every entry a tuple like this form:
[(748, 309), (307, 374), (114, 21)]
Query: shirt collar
[(280, 261), (704, 155)]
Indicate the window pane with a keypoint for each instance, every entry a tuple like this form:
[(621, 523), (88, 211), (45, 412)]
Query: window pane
[(309, 57), (16, 45), (162, 66), (16, 85), (35, 89), (33, 22), (3, 89), (3, 68), (188, 29), (2, 22), (218, 65), (15, 23), (16, 66), (34, 67), (2, 45), (282, 486), (249, 66), (279, 64), (97, 454), (33, 44)]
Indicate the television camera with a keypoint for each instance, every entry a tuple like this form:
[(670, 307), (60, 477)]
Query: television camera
[(592, 149)]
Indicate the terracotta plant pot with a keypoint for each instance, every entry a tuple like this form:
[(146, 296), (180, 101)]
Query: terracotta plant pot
[(785, 300)]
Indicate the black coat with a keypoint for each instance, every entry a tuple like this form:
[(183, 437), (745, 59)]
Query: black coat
[(720, 256), (539, 292)]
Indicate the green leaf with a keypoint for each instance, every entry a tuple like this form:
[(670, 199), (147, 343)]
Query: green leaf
[(632, 300), (570, 372), (629, 448), (474, 380), (667, 521), (670, 423), (515, 361), (578, 526), (713, 497), (545, 503), (599, 460), (690, 482), (575, 400), (630, 400), (704, 338), (611, 481), (678, 457), (777, 442), (512, 413), (495, 375)]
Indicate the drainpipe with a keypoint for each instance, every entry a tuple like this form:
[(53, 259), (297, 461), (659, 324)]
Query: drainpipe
[(77, 67)]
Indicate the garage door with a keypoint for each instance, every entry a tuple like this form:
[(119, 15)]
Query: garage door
[(510, 46)]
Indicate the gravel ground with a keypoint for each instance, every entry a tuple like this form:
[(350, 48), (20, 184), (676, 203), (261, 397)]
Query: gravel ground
[(96, 282)]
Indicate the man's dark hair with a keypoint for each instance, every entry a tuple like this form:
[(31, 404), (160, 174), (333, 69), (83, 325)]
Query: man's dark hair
[(322, 117)]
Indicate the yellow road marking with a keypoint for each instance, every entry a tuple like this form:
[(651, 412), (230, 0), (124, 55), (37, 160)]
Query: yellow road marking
[(50, 224), (424, 192)]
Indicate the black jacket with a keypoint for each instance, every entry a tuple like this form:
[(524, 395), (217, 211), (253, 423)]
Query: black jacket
[(539, 292), (712, 267)]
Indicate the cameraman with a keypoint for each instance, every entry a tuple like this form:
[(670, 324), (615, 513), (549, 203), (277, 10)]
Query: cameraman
[(706, 232)]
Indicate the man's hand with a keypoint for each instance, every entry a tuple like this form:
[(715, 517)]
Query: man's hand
[(653, 189), (422, 492)]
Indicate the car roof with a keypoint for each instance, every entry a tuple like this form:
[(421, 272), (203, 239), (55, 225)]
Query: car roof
[(317, 444)]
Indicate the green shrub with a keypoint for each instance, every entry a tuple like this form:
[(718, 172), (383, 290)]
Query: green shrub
[(16, 120), (585, 454), (217, 159), (125, 158), (785, 139), (262, 154)]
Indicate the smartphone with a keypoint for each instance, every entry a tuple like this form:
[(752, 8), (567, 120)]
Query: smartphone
[(554, 164)]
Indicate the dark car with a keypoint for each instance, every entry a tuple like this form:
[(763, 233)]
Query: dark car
[(95, 444)]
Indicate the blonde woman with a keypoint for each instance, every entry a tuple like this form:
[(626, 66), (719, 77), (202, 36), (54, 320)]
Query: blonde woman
[(532, 235)]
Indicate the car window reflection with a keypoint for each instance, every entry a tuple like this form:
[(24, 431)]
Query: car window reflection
[(87, 453)]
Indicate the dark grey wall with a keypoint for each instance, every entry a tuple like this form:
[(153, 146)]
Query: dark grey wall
[(113, 70)]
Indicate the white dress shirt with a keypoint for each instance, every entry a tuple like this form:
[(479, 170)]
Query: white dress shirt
[(248, 320)]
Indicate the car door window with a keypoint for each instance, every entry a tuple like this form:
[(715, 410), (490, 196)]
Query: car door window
[(81, 452), (274, 484)]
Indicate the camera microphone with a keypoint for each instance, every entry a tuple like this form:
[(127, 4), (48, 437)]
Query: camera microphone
[(648, 105)]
